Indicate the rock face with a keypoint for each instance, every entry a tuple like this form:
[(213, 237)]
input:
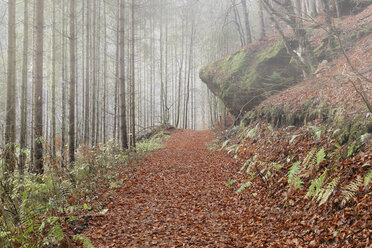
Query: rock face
[(247, 77)]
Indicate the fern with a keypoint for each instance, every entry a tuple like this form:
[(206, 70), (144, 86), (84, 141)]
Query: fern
[(244, 186), (368, 178), (230, 183), (316, 186), (310, 159), (293, 178), (251, 133), (350, 190), (327, 191), (85, 240), (277, 166), (320, 156)]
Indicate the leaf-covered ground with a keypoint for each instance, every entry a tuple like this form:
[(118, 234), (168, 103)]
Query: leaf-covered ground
[(176, 197), (179, 196)]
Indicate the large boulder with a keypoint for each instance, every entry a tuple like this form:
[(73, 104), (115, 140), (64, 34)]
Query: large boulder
[(247, 77)]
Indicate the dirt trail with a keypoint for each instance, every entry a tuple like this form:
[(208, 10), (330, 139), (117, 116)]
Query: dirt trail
[(176, 198)]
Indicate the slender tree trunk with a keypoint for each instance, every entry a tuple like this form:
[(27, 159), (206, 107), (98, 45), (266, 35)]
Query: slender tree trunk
[(97, 74), (117, 62), (94, 65), (10, 132), (63, 65), (53, 138), (104, 73), (180, 78), (237, 22), (72, 84), (246, 21), (123, 121), (132, 84), (23, 139), (87, 74), (38, 88), (262, 22)]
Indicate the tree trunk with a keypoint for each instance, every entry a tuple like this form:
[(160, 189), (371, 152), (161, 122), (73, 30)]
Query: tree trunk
[(72, 84), (23, 139), (63, 85), (116, 104), (246, 21), (123, 121), (53, 138), (262, 22), (104, 72), (38, 88), (94, 76), (132, 85), (87, 76), (10, 133)]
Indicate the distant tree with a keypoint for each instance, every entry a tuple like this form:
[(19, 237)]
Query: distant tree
[(23, 134), (290, 12), (132, 82), (246, 22), (38, 87), (53, 138), (123, 121), (10, 131), (87, 75), (72, 84)]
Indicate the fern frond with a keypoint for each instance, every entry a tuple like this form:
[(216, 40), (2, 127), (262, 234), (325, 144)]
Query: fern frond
[(293, 178), (320, 156), (368, 178), (309, 158), (316, 186), (328, 191), (293, 171), (350, 190)]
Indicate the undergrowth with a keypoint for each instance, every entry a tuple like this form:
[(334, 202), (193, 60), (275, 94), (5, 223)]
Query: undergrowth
[(42, 210), (312, 161)]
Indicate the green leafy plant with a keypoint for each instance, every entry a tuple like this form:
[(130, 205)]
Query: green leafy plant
[(368, 178), (316, 186), (294, 179), (350, 190), (244, 186), (230, 183), (327, 191)]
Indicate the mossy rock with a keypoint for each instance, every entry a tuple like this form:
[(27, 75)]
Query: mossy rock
[(250, 75)]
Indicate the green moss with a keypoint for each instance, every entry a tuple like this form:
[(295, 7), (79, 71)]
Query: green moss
[(271, 52), (233, 63), (369, 127)]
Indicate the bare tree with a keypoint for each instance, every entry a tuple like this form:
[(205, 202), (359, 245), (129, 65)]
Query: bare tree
[(123, 121), (72, 84), (38, 87), (23, 135), (132, 82), (53, 138), (246, 21)]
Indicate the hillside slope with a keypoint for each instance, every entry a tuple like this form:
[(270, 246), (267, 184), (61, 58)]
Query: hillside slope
[(306, 153), (244, 79)]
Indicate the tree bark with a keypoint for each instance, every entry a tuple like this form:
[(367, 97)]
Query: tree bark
[(94, 75), (10, 133), (38, 88), (247, 23), (72, 84), (123, 121), (132, 84), (87, 76), (23, 139), (53, 138)]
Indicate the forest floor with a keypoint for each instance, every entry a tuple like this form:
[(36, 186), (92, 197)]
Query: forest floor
[(177, 197)]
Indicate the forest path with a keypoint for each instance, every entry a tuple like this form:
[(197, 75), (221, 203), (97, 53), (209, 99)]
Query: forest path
[(177, 197)]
